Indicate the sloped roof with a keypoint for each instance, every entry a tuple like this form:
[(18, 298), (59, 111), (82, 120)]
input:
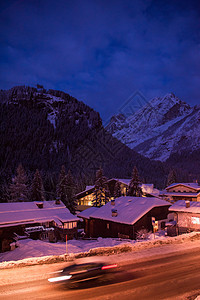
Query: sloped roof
[(129, 209), (87, 212), (26, 206), (193, 185), (125, 181), (14, 213), (180, 194), (181, 206)]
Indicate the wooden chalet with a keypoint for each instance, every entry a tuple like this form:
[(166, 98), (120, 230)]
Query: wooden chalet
[(181, 191), (125, 216), (86, 197), (186, 215), (37, 220)]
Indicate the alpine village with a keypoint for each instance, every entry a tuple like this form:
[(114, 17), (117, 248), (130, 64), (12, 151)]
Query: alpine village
[(63, 175)]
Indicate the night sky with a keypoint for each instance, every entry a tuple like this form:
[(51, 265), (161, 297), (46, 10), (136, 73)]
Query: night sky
[(102, 51)]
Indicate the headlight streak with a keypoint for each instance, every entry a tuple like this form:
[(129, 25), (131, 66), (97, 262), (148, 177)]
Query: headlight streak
[(60, 278)]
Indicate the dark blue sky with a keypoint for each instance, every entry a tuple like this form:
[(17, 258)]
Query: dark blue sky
[(102, 51)]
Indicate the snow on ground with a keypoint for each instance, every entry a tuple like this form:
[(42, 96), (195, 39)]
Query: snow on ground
[(37, 251), (37, 248)]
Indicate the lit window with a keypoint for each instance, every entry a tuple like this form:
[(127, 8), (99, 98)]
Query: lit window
[(195, 220)]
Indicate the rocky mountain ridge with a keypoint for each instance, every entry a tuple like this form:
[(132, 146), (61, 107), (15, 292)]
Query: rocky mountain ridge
[(160, 128)]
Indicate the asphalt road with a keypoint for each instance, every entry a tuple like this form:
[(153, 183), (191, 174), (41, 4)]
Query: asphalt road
[(173, 276)]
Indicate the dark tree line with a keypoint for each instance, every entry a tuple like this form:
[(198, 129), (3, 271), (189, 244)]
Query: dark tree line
[(20, 191), (76, 140)]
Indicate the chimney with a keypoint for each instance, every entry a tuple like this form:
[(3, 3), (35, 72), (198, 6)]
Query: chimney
[(57, 202), (40, 204), (114, 213), (187, 203), (113, 202)]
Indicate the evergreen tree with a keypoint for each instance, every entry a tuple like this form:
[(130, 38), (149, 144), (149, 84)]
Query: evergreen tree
[(134, 185), (101, 192), (61, 187), (18, 188), (117, 189), (70, 192), (37, 189), (172, 177)]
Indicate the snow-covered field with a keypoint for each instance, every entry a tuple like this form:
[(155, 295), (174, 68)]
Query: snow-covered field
[(36, 248), (34, 251)]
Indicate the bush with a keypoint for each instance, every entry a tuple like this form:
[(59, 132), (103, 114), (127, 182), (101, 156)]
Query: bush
[(142, 234)]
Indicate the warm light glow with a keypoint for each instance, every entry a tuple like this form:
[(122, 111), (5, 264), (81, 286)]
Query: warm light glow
[(60, 278), (195, 220)]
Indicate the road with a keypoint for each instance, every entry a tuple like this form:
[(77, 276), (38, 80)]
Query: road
[(170, 276)]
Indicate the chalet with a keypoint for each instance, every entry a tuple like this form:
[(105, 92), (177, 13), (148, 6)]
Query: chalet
[(37, 220), (181, 191), (125, 216), (186, 215), (86, 197)]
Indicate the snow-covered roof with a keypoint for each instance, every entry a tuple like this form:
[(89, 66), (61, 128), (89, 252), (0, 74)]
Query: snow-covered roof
[(179, 194), (53, 203), (28, 212), (87, 212), (149, 189), (125, 181), (66, 216), (89, 187), (129, 209), (26, 206), (193, 185), (181, 206)]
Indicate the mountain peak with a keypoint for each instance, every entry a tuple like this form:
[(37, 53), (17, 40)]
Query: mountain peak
[(167, 101), (152, 123)]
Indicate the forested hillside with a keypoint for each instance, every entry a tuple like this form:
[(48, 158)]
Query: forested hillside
[(47, 129)]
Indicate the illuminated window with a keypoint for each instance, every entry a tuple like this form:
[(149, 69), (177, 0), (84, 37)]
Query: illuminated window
[(70, 225), (195, 220)]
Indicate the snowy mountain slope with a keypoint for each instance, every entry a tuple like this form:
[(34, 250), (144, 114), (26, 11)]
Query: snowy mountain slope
[(50, 128), (161, 127)]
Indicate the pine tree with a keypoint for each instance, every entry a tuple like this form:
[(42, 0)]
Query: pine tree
[(37, 189), (117, 189), (134, 185), (18, 188), (61, 187), (101, 191), (172, 177), (70, 193)]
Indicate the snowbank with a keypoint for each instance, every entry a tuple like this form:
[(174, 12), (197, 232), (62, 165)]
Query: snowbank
[(39, 252)]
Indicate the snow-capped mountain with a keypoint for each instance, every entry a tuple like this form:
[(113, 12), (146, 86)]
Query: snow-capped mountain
[(45, 129), (161, 127)]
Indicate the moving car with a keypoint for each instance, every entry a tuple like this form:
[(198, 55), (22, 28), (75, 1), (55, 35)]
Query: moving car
[(76, 274)]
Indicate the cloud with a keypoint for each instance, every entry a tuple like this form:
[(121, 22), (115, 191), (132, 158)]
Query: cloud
[(102, 51)]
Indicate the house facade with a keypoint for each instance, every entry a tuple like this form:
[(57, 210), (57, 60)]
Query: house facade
[(86, 197), (125, 216), (187, 215), (47, 219), (181, 191)]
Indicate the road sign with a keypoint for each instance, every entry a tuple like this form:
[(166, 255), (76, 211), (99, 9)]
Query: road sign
[(153, 220)]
